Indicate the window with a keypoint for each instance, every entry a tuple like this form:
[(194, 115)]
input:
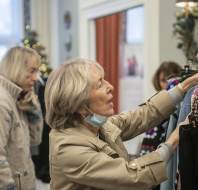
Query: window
[(135, 25), (10, 24)]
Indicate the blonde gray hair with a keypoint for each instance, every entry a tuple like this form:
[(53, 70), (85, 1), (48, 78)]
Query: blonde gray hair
[(67, 91), (15, 62)]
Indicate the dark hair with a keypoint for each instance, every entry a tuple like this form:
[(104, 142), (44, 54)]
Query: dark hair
[(169, 68)]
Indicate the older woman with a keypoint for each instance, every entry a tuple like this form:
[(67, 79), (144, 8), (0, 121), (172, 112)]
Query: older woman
[(86, 148), (20, 118)]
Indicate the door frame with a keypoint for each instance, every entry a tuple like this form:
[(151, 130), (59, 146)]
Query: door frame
[(87, 43)]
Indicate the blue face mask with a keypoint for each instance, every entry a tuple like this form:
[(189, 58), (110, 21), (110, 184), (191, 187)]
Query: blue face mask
[(95, 120)]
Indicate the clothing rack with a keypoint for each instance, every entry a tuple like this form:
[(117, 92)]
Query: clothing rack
[(188, 71)]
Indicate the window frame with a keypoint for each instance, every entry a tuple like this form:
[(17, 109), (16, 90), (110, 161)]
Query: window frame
[(14, 38)]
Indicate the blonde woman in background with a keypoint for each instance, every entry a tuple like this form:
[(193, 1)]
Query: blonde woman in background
[(86, 140), (20, 118)]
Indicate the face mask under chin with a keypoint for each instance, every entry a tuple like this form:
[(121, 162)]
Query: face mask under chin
[(94, 119)]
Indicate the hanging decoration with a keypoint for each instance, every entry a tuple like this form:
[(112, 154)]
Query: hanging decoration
[(30, 40), (184, 29), (26, 14)]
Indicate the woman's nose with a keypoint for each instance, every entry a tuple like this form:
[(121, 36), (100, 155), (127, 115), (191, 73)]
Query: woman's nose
[(110, 88), (35, 77)]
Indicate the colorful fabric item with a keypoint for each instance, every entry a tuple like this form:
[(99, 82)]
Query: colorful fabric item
[(173, 82), (153, 137), (193, 116)]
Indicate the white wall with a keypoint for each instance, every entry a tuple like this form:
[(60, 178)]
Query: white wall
[(162, 44), (48, 21), (168, 41), (88, 3), (72, 7), (152, 41), (40, 19)]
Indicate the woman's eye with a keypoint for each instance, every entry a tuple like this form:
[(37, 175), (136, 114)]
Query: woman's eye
[(100, 85), (33, 71)]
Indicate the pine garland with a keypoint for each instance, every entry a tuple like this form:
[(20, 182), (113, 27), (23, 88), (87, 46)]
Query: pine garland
[(184, 30), (31, 41)]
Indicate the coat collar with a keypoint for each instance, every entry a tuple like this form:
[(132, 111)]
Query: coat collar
[(12, 88), (110, 131)]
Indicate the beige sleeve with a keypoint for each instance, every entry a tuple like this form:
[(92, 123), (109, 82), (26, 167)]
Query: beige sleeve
[(87, 167), (149, 115), (6, 178)]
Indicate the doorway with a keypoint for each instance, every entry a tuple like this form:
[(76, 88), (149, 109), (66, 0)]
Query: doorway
[(128, 68)]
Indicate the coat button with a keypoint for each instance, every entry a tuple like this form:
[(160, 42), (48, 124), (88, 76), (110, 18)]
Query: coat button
[(134, 166), (25, 173)]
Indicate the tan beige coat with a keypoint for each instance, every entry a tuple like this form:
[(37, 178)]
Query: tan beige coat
[(16, 136), (79, 160)]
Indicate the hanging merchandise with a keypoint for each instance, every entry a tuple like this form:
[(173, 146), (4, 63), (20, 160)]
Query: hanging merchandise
[(188, 148)]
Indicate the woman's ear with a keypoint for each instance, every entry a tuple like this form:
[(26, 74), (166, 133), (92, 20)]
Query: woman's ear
[(83, 111)]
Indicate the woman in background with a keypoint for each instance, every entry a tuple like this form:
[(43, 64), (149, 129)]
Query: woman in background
[(21, 120), (166, 70), (153, 137)]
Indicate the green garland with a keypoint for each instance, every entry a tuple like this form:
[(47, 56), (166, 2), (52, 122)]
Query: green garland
[(31, 40), (184, 29)]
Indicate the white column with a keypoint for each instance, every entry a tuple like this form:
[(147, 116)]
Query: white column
[(54, 33), (40, 18), (152, 50)]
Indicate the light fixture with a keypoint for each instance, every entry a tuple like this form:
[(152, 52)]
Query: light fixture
[(186, 3)]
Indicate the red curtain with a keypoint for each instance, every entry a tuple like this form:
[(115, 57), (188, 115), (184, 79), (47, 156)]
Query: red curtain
[(108, 30)]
